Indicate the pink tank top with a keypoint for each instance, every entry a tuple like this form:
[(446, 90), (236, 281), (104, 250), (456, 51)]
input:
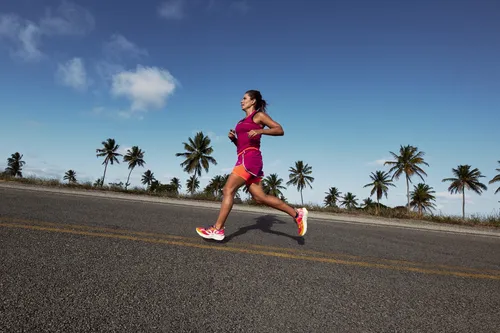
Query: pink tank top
[(242, 128)]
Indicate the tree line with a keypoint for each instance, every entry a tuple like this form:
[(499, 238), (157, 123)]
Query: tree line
[(197, 157)]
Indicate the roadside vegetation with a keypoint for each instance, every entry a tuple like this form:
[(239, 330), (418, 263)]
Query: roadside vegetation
[(197, 157)]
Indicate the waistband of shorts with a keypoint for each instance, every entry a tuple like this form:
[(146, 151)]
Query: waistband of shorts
[(246, 149)]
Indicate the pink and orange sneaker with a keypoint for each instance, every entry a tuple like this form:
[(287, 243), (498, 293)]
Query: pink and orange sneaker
[(211, 233), (301, 221)]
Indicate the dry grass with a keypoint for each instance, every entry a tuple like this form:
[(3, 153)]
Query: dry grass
[(492, 220)]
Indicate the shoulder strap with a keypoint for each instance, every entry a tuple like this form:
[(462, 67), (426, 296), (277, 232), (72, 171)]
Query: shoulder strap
[(254, 113), (250, 116)]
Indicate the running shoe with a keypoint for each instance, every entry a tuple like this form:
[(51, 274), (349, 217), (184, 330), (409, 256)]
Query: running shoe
[(301, 221), (211, 233)]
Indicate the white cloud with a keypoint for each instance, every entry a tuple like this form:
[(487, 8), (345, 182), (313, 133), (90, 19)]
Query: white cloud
[(9, 25), (24, 37), (445, 197), (448, 195), (43, 172), (118, 45), (211, 134), (116, 50), (147, 87), (379, 162), (214, 137), (172, 9), (73, 74), (123, 149), (69, 19)]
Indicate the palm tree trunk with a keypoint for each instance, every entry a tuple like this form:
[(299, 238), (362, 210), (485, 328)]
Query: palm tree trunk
[(126, 184), (301, 198), (104, 175), (408, 192), (463, 203), (378, 206)]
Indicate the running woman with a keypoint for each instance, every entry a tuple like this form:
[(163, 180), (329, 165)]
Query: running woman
[(249, 166)]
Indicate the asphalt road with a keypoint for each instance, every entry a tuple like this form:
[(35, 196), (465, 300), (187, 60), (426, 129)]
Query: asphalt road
[(70, 263)]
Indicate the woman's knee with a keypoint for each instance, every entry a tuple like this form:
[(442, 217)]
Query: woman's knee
[(228, 191), (230, 188), (260, 198)]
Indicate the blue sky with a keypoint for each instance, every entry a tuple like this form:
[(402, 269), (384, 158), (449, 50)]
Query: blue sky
[(348, 80)]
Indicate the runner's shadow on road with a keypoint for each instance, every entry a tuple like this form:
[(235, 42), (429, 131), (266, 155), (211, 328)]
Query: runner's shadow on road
[(264, 224)]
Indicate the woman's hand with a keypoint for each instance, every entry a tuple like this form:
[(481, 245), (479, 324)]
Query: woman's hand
[(253, 133), (232, 135)]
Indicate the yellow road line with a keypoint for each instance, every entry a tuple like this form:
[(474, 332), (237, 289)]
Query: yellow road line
[(246, 245), (250, 251)]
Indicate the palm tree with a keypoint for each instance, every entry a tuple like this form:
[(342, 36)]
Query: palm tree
[(98, 182), (299, 176), (192, 184), (216, 185), (349, 201), (197, 155), (407, 162), (70, 176), (332, 196), (155, 186), (225, 177), (422, 198), (368, 203), (15, 165), (496, 179), (380, 183), (272, 185), (245, 189), (175, 185), (148, 178), (134, 157), (110, 154), (465, 178)]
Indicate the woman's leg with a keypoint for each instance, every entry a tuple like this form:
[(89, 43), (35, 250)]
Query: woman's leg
[(234, 182), (259, 196), (300, 215)]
